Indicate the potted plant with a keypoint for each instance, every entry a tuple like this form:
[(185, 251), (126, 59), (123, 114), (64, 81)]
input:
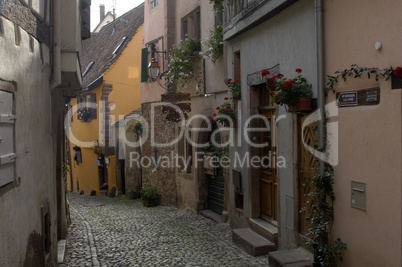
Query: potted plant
[(137, 128), (225, 115), (214, 44), (234, 89), (294, 93), (149, 196), (217, 6), (84, 114), (182, 61)]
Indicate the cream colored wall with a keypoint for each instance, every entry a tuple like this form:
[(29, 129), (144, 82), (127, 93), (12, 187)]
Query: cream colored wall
[(369, 136), (188, 184), (154, 21)]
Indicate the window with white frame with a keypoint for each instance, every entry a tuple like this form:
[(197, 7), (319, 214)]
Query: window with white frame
[(7, 153)]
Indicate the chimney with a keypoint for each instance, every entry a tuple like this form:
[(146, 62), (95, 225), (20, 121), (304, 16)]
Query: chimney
[(102, 11)]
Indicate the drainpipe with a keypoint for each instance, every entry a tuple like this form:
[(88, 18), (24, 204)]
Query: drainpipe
[(56, 43), (319, 22)]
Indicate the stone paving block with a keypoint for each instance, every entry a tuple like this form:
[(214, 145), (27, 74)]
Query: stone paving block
[(133, 235)]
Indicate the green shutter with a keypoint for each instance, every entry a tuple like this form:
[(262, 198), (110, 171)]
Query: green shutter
[(144, 65)]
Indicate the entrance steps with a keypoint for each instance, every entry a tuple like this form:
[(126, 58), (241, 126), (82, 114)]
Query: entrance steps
[(265, 229), (253, 243), (290, 258)]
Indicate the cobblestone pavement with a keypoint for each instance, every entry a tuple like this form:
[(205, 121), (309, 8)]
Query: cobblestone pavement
[(122, 232)]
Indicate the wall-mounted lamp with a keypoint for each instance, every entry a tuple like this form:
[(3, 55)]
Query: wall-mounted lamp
[(153, 66), (153, 69)]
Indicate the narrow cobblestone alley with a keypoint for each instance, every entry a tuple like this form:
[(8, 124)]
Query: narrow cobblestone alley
[(122, 232)]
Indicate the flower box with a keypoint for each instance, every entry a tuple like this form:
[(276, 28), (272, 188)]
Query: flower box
[(235, 123), (302, 104)]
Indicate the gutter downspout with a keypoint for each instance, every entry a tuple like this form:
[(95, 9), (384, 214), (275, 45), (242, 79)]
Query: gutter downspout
[(319, 22), (56, 43)]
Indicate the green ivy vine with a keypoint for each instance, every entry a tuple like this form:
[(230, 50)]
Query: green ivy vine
[(357, 71), (321, 218)]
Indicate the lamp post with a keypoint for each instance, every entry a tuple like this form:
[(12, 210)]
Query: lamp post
[(153, 69)]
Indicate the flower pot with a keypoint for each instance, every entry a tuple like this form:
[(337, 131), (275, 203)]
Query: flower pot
[(302, 104), (234, 123)]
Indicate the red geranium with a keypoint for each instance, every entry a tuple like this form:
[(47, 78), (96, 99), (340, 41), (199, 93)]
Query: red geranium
[(212, 121), (215, 115), (235, 97), (288, 84), (265, 73), (229, 81), (226, 110), (226, 98), (217, 108), (398, 72), (298, 70)]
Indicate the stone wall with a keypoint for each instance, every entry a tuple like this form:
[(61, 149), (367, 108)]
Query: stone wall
[(132, 171), (162, 178)]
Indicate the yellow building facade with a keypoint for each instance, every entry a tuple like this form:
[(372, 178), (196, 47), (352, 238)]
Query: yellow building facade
[(111, 66)]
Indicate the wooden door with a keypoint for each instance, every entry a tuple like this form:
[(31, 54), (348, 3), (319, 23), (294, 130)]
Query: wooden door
[(268, 179), (307, 169)]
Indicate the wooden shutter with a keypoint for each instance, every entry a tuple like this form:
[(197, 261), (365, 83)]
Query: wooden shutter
[(7, 155), (180, 149), (93, 106), (144, 65)]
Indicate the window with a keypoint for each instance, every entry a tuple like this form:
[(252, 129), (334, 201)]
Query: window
[(185, 151), (86, 107), (7, 154), (191, 24), (154, 3)]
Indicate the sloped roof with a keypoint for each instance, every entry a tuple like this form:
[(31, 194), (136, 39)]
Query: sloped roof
[(100, 47)]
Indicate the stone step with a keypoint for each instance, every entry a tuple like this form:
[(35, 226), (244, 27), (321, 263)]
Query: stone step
[(289, 258), (251, 242), (61, 249), (265, 229), (211, 215)]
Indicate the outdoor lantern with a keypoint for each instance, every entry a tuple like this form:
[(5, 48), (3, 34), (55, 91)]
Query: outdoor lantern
[(153, 68)]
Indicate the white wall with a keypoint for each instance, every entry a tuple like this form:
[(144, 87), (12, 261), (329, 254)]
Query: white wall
[(34, 141)]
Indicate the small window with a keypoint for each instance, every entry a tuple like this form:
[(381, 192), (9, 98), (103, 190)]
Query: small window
[(1, 27), (119, 45), (86, 111), (185, 151), (17, 32), (191, 24), (154, 3), (88, 68)]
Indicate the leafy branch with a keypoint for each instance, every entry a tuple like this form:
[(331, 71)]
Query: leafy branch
[(321, 218), (357, 71)]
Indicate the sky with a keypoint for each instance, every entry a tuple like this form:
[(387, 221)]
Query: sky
[(122, 6)]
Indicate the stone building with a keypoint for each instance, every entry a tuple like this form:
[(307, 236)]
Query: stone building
[(40, 44), (166, 24)]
